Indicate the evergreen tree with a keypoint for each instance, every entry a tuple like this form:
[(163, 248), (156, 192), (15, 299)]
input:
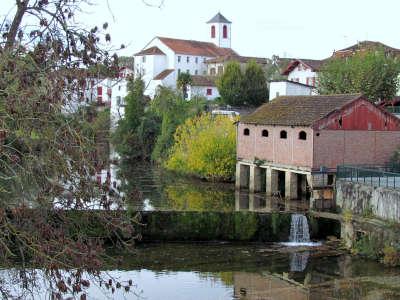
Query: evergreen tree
[(230, 84), (254, 85)]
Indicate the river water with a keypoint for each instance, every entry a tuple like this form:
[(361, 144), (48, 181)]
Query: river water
[(221, 270), (163, 190), (248, 272)]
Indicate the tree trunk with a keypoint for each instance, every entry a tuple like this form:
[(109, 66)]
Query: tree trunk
[(12, 34)]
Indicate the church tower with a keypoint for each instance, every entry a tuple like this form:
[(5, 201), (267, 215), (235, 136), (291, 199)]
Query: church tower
[(220, 31)]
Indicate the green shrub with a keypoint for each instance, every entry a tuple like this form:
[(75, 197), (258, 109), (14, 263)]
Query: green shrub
[(391, 256)]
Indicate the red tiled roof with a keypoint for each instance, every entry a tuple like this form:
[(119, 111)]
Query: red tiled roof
[(314, 64), (363, 46), (238, 58), (198, 80), (195, 47), (150, 51), (163, 74), (298, 110)]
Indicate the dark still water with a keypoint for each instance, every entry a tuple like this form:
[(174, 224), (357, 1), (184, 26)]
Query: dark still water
[(247, 272), (163, 190)]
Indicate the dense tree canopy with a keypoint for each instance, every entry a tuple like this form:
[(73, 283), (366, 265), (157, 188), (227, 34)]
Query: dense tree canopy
[(372, 73), (243, 88)]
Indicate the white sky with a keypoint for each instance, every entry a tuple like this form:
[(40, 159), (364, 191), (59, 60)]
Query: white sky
[(292, 28)]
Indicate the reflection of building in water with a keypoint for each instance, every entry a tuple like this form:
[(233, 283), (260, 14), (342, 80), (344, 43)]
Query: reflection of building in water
[(251, 286), (298, 261), (263, 203)]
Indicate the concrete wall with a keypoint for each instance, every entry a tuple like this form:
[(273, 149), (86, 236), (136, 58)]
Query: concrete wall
[(336, 147), (202, 91), (290, 151), (283, 88), (359, 198)]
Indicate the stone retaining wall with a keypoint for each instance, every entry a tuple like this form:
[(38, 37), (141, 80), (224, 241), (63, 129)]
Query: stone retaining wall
[(364, 199)]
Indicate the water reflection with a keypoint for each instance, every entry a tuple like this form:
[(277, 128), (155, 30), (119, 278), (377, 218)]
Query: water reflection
[(162, 190), (229, 271), (260, 202), (298, 261)]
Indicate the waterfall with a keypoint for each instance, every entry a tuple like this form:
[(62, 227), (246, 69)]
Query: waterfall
[(299, 232)]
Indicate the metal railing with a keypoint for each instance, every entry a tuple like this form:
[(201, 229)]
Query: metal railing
[(372, 175), (393, 109)]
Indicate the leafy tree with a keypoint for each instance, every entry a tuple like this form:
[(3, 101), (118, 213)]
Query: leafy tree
[(230, 84), (254, 85), (372, 73), (48, 154), (135, 135), (172, 109), (243, 88), (184, 79), (205, 146)]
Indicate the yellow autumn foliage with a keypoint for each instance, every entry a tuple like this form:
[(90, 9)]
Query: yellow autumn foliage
[(205, 146)]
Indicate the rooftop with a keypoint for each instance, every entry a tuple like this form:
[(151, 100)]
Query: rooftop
[(164, 74), (150, 51), (198, 80), (192, 47), (238, 58), (298, 110), (363, 46), (313, 64), (219, 18)]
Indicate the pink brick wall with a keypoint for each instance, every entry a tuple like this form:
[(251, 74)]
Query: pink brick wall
[(290, 151), (335, 147)]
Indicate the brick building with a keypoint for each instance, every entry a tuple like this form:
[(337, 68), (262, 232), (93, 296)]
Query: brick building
[(295, 143)]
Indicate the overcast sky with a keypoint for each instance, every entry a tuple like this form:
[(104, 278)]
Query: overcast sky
[(291, 28)]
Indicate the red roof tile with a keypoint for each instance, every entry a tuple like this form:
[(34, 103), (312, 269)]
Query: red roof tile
[(163, 74), (364, 46), (198, 80), (150, 51), (313, 64), (195, 47), (238, 58)]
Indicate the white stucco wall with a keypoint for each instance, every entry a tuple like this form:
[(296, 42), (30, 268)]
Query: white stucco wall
[(302, 74), (285, 88), (192, 66), (202, 91), (219, 40)]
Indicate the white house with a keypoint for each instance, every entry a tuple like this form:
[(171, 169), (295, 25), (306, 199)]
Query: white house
[(302, 79), (163, 59), (292, 88)]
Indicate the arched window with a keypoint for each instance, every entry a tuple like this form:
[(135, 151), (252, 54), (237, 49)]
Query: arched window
[(264, 133), (246, 131), (225, 32), (213, 31), (302, 135), (283, 134)]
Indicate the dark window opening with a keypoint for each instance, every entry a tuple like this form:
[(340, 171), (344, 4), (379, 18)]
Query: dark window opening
[(283, 134), (330, 179), (302, 135), (246, 131), (225, 32), (213, 31), (340, 122), (264, 133), (317, 134)]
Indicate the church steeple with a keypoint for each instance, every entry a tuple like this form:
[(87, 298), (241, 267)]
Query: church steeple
[(220, 31)]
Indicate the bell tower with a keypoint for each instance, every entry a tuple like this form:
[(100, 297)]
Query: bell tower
[(220, 31)]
